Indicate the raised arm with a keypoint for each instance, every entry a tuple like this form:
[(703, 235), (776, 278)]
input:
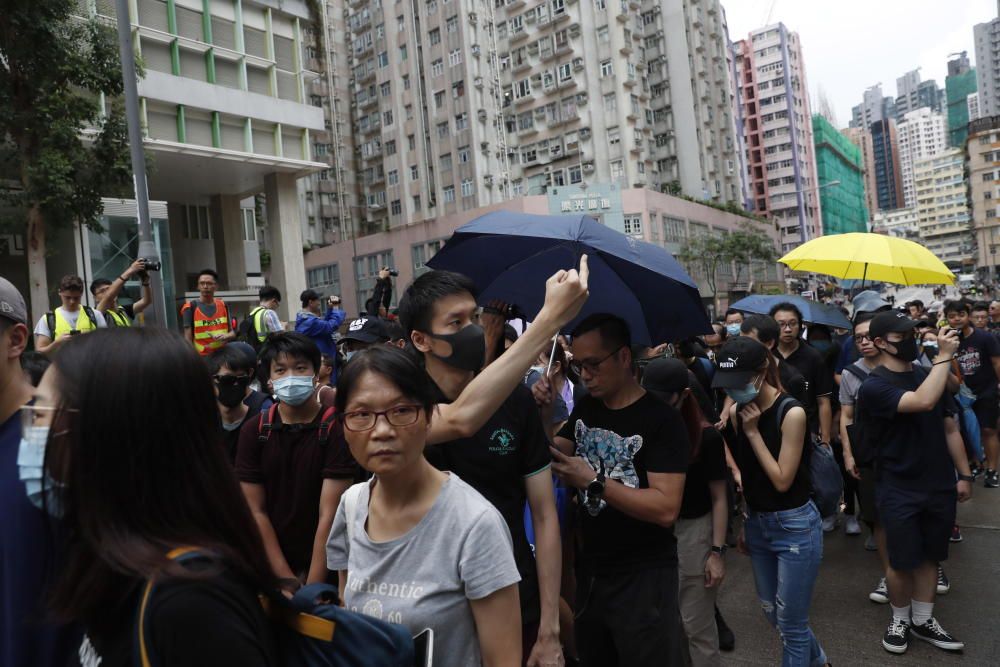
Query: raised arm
[(926, 396)]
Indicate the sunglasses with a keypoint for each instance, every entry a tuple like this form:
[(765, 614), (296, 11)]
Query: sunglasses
[(231, 380)]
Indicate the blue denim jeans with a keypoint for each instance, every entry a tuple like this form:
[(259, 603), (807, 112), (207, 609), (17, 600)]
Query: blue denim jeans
[(786, 548)]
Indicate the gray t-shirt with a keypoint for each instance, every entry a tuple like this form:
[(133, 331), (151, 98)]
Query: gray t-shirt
[(850, 384), (461, 550)]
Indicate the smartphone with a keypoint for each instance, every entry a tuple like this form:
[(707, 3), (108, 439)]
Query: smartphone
[(423, 643)]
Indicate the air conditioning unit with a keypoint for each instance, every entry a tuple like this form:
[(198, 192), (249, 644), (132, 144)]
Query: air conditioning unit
[(478, 81), (555, 149), (529, 16), (584, 133), (473, 18), (482, 115), (588, 167), (475, 49), (488, 179), (578, 64), (540, 112), (581, 98), (484, 146)]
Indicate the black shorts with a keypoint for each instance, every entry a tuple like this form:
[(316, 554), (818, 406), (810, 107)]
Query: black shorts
[(866, 496), (917, 524), (987, 411)]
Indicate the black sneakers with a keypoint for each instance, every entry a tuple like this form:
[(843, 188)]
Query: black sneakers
[(943, 585), (881, 593), (896, 635), (991, 479), (932, 633), (727, 640)]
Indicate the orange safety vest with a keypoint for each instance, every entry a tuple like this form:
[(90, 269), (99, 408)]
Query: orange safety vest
[(204, 327)]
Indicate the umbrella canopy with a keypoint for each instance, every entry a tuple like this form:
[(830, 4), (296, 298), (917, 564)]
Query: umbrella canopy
[(509, 256), (812, 311), (871, 257)]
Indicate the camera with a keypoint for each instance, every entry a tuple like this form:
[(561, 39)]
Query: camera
[(394, 273), (150, 263)]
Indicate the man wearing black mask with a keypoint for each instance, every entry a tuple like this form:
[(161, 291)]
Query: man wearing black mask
[(232, 367), (507, 460)]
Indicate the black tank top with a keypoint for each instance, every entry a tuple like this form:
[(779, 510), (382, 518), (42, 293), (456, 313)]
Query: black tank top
[(759, 491)]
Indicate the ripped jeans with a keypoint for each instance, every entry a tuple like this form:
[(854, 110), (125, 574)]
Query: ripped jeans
[(786, 548)]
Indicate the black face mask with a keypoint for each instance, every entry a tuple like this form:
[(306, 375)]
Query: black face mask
[(232, 393), (468, 348), (906, 350)]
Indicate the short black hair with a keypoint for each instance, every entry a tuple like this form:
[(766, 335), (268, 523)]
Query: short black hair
[(291, 344), (956, 306), (788, 308), (864, 317), (209, 272), (268, 292), (980, 306), (33, 363), (71, 284), (613, 330), (765, 326), (307, 296), (396, 366), (721, 331), (416, 308), (732, 311), (97, 284), (394, 330), (233, 358), (916, 302)]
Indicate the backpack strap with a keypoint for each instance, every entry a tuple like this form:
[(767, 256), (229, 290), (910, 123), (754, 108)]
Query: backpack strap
[(50, 321), (265, 424), (783, 407), (856, 372), (350, 500), (90, 313), (329, 417)]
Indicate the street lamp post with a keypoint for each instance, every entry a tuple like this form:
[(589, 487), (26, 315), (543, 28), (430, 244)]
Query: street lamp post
[(993, 265)]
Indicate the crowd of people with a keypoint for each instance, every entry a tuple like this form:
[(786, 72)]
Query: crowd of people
[(531, 498)]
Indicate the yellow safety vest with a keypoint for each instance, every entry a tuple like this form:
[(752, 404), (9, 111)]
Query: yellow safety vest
[(257, 315), (59, 325), (117, 317)]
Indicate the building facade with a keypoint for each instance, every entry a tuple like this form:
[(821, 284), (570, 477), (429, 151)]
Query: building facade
[(639, 212), (778, 132), (982, 167), (987, 41), (922, 134), (943, 218), (901, 223), (874, 107), (888, 178), (840, 170), (960, 89), (862, 139), (912, 93)]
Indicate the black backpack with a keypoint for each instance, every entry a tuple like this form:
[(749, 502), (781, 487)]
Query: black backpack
[(247, 331), (825, 480)]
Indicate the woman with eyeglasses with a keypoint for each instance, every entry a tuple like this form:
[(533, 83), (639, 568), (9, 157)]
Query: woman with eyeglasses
[(783, 530), (415, 545)]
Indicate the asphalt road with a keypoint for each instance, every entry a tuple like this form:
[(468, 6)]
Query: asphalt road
[(850, 627)]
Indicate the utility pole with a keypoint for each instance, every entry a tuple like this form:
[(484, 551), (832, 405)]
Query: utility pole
[(147, 249)]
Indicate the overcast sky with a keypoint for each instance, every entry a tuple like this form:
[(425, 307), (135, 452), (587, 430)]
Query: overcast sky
[(852, 44)]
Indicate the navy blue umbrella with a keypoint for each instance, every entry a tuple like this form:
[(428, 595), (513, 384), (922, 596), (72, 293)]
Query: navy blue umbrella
[(812, 311), (509, 256)]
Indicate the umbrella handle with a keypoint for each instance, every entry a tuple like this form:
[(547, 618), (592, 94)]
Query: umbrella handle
[(552, 354)]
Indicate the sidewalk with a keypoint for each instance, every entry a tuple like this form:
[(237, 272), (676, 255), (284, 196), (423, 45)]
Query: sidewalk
[(850, 627)]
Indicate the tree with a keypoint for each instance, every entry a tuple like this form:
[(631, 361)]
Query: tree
[(746, 245), (704, 253), (64, 138)]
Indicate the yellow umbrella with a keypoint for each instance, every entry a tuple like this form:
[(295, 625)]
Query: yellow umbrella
[(871, 257)]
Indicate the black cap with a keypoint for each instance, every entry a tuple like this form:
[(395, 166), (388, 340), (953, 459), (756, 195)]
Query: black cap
[(669, 376), (366, 330), (739, 361), (889, 322)]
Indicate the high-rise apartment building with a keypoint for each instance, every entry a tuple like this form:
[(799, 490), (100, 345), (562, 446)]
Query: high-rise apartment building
[(888, 177), (912, 93), (900, 223), (943, 217), (960, 87), (987, 40), (922, 134), (863, 140), (840, 169), (874, 106), (778, 132), (982, 166)]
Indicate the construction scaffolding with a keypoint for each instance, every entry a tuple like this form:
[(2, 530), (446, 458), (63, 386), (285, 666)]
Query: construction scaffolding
[(839, 161)]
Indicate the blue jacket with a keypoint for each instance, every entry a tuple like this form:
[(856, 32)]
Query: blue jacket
[(321, 330)]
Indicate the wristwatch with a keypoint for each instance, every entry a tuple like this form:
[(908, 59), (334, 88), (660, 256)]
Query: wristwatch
[(966, 478), (719, 550), (596, 487)]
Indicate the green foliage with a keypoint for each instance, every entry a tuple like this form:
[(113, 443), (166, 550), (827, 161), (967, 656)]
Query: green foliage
[(705, 253), (60, 153)]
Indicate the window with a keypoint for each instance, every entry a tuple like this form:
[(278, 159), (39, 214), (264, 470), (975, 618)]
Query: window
[(395, 207), (603, 35), (461, 121), (366, 270), (435, 36), (402, 52), (439, 99), (390, 147), (392, 177), (421, 252), (558, 7), (196, 223), (601, 4), (610, 103), (400, 24), (528, 154), (383, 60), (463, 154), (409, 111), (614, 136), (416, 202), (458, 90), (414, 173), (451, 25), (673, 229), (449, 194), (617, 169), (406, 82), (558, 177), (455, 58), (522, 88), (411, 142), (385, 89), (607, 69), (443, 129), (437, 67), (387, 117), (467, 187), (633, 225), (445, 161), (565, 72)]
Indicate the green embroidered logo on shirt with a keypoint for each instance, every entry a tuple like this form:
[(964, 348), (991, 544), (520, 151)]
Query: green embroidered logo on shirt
[(503, 442)]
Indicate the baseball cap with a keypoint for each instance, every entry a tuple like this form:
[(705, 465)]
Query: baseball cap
[(868, 301), (739, 361), (665, 375), (12, 303), (889, 322), (366, 330)]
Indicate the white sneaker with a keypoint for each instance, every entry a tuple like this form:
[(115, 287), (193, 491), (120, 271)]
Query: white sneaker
[(851, 526), (829, 524)]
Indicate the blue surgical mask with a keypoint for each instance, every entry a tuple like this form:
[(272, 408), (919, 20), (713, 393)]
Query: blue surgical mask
[(294, 389), (42, 490), (733, 329), (743, 395)]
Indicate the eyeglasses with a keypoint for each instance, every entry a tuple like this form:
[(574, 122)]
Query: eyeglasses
[(590, 366), (862, 338), (365, 420), (231, 380), (790, 324), (40, 415)]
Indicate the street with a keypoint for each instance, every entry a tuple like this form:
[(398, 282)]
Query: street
[(850, 627)]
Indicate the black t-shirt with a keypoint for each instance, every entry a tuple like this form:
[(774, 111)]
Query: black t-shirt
[(975, 359), (808, 361), (758, 489), (646, 436), (291, 466), (792, 381), (510, 447), (192, 622), (709, 466), (913, 451)]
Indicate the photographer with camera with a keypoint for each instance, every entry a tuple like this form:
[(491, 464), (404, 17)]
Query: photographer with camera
[(106, 293), (382, 296), (71, 318)]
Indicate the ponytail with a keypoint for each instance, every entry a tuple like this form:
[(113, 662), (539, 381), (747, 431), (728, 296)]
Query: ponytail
[(771, 374)]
